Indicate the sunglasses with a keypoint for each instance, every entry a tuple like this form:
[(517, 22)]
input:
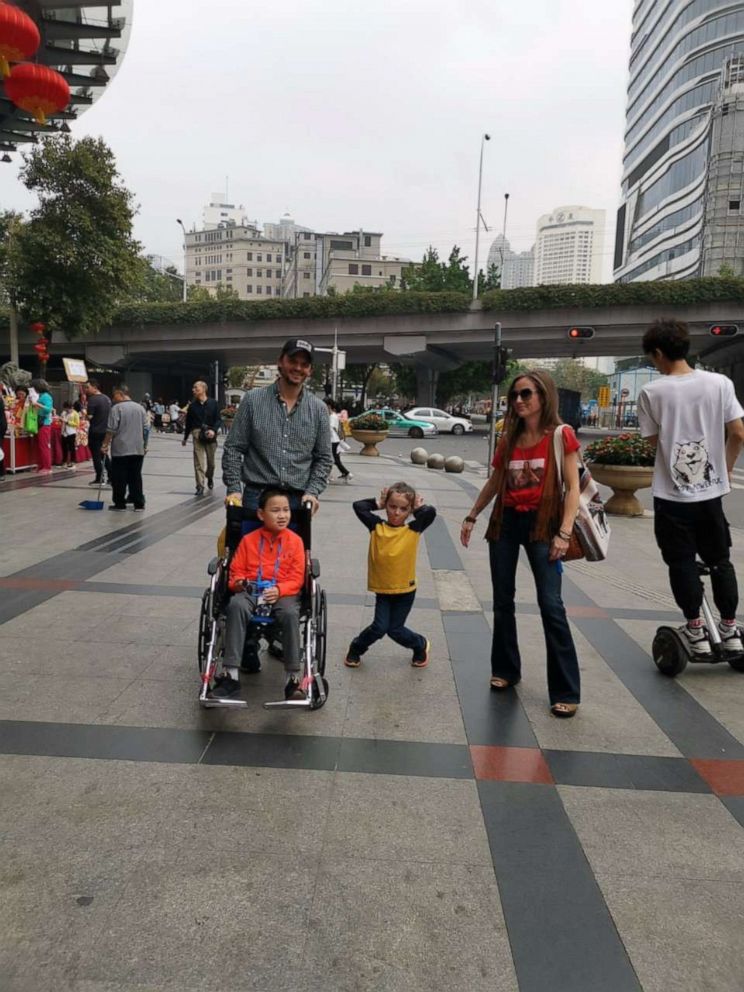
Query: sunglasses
[(521, 394)]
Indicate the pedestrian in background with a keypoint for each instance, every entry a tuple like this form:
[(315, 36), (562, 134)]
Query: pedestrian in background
[(125, 436), (98, 407), (335, 425), (531, 512), (203, 421), (158, 409), (41, 399), (70, 423)]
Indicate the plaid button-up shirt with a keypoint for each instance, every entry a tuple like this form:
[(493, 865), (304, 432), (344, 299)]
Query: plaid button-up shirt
[(267, 446)]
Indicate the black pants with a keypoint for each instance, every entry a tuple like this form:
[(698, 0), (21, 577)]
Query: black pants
[(126, 473), (337, 459), (684, 530), (94, 443), (68, 448)]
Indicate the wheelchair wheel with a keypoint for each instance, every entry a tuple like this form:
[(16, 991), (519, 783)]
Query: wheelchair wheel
[(205, 628), (669, 652), (321, 634), (315, 700)]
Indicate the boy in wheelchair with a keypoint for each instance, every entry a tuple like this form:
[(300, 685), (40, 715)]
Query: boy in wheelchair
[(267, 570)]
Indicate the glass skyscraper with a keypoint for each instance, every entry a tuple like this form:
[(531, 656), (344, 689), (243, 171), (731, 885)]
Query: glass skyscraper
[(686, 77)]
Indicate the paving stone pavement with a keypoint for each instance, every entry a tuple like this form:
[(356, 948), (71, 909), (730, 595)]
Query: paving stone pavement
[(416, 833)]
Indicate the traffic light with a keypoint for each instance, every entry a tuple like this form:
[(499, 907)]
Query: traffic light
[(500, 360), (581, 332), (724, 330)]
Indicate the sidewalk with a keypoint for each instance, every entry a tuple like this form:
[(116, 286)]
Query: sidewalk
[(417, 833)]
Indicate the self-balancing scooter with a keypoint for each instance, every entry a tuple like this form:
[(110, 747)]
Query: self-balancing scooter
[(671, 650)]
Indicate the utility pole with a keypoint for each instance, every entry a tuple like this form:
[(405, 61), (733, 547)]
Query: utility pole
[(484, 139)]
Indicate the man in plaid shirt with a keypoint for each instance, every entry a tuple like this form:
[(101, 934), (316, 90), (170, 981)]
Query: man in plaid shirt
[(280, 436)]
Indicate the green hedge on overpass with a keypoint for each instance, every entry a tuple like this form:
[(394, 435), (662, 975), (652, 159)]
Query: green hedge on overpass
[(678, 293), (371, 304)]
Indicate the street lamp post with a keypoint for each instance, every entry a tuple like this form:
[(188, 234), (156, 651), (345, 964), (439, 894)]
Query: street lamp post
[(484, 139), (185, 288)]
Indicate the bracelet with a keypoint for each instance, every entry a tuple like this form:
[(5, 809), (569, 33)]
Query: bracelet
[(564, 537), (469, 520)]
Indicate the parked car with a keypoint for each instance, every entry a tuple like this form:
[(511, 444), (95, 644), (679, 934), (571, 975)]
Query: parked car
[(401, 425), (445, 423)]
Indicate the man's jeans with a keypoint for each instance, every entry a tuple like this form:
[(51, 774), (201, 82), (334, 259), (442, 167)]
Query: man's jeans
[(286, 613), (94, 443), (391, 613), (563, 665)]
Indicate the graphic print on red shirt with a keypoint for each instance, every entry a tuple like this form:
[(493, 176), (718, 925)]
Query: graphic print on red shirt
[(525, 474)]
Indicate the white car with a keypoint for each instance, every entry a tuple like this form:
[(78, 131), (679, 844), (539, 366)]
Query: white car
[(444, 422)]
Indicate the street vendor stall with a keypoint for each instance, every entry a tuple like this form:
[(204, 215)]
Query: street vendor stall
[(19, 444)]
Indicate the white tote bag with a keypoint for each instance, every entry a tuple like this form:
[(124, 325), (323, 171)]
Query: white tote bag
[(592, 527)]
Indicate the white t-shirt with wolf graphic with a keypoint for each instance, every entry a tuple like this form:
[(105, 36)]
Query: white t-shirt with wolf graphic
[(688, 413)]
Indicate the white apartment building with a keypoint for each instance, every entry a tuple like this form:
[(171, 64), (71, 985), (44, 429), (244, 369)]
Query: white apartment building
[(240, 258), (517, 269), (319, 262), (569, 246), (219, 212)]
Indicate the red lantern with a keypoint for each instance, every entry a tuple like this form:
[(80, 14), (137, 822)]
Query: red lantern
[(19, 36), (38, 90), (38, 327)]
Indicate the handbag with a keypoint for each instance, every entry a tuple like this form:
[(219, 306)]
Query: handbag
[(31, 420), (590, 537), (343, 447), (203, 435)]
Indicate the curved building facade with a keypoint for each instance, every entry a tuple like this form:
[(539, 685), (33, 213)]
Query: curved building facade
[(86, 42), (685, 73)]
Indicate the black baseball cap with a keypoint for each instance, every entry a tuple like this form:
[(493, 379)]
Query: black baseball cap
[(294, 345)]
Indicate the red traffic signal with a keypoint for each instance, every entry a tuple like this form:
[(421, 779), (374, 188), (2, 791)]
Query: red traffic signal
[(724, 330), (581, 332)]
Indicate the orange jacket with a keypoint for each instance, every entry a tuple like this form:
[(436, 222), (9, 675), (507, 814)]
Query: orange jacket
[(291, 573)]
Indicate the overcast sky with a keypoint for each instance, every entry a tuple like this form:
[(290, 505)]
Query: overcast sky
[(349, 114)]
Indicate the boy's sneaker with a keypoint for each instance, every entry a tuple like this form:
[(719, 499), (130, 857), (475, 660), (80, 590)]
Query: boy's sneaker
[(352, 659), (293, 689), (224, 687), (697, 639), (731, 637), (422, 661)]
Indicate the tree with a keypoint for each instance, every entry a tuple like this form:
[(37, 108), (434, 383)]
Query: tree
[(435, 276), (359, 375), (198, 294), (492, 279), (152, 286), (76, 257), (567, 373)]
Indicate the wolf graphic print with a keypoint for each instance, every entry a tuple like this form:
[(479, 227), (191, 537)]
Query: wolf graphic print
[(692, 470)]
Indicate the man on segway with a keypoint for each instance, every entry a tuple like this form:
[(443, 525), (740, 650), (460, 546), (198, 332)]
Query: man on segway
[(695, 420)]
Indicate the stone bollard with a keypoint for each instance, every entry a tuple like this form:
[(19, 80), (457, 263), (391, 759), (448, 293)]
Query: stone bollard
[(435, 461), (419, 456), (454, 464)]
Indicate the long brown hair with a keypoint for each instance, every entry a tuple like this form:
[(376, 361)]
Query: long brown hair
[(549, 419)]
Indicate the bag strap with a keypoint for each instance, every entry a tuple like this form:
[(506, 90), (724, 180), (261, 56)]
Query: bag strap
[(558, 453)]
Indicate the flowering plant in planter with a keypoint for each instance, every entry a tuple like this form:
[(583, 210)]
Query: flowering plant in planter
[(229, 412), (625, 449), (369, 422)]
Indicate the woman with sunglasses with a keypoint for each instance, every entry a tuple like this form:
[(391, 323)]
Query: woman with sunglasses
[(530, 511)]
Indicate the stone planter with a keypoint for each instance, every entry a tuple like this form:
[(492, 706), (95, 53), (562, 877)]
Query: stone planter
[(369, 439), (623, 480)]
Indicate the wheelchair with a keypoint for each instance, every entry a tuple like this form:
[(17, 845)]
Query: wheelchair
[(313, 622)]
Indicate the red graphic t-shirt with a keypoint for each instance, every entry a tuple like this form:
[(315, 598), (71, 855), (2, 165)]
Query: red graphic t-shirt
[(525, 475)]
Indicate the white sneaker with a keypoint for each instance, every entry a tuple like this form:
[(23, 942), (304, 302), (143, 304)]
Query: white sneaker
[(697, 639), (348, 477), (731, 637)]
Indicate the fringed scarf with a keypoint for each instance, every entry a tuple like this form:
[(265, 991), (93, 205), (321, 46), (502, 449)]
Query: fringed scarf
[(548, 518)]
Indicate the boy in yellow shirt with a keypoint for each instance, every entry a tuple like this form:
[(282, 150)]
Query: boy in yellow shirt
[(391, 569)]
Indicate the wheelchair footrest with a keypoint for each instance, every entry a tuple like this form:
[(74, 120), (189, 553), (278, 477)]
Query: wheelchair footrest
[(289, 704), (213, 704)]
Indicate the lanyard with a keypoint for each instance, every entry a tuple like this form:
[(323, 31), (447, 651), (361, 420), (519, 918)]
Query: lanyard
[(259, 577)]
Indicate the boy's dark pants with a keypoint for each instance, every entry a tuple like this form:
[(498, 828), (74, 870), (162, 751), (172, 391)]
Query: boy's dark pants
[(391, 613), (684, 530)]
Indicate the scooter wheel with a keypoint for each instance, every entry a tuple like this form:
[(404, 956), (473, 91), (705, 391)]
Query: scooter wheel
[(669, 652), (737, 662)]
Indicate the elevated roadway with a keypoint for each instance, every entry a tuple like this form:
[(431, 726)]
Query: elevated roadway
[(434, 341)]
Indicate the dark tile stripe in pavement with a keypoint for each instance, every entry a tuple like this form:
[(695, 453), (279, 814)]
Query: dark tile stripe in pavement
[(561, 933), (735, 806), (364, 755), (441, 548), (92, 557)]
